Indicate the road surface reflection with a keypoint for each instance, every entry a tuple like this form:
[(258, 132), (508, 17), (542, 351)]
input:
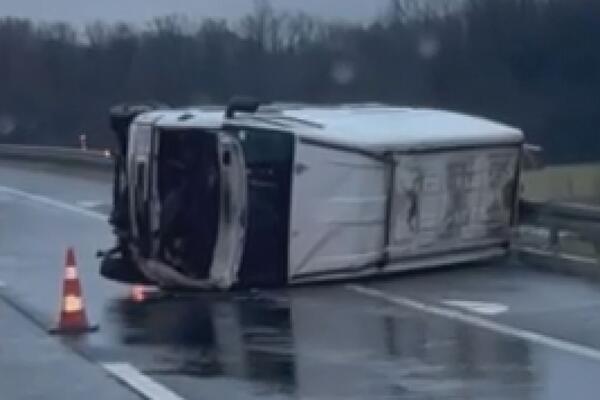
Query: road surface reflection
[(303, 346)]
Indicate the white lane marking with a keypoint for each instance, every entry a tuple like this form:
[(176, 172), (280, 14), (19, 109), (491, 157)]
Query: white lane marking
[(2, 285), (89, 203), (479, 307), (53, 203), (139, 382), (480, 322)]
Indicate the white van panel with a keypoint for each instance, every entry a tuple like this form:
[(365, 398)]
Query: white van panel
[(452, 200), (338, 210)]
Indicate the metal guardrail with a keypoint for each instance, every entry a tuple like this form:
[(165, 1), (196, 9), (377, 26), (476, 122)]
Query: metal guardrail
[(556, 217), (62, 155), (574, 217), (565, 223)]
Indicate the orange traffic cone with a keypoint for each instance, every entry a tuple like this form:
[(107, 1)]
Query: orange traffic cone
[(73, 319)]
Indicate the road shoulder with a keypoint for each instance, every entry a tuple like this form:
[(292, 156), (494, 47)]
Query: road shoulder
[(36, 365)]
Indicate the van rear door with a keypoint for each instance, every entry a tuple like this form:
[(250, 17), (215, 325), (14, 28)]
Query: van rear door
[(448, 201)]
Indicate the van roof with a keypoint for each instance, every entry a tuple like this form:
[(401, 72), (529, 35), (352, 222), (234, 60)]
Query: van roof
[(369, 126)]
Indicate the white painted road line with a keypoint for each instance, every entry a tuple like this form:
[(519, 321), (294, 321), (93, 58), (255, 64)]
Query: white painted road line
[(89, 204), (142, 384), (53, 203), (478, 307), (2, 285), (480, 322)]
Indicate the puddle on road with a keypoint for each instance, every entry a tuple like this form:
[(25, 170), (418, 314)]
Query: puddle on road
[(301, 348)]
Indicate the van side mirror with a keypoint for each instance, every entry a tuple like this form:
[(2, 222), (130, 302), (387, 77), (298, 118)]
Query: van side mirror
[(533, 157)]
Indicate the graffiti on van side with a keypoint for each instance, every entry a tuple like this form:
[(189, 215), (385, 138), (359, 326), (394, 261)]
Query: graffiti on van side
[(413, 193), (500, 186), (459, 184)]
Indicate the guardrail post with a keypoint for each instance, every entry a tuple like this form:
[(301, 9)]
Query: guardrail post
[(83, 142), (554, 238), (597, 248)]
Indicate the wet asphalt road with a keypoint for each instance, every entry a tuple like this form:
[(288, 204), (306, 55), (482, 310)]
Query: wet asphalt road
[(323, 342)]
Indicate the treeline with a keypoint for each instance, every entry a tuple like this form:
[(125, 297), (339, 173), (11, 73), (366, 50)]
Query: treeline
[(530, 63)]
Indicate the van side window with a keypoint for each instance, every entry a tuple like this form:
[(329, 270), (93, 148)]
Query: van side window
[(263, 147)]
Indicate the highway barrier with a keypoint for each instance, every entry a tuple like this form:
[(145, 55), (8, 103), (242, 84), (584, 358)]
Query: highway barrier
[(561, 235), (579, 219), (62, 155)]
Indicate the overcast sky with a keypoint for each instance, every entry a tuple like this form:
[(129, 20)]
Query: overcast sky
[(139, 11)]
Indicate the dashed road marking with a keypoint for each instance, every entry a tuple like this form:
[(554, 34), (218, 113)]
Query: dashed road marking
[(479, 307), (479, 322), (142, 384), (53, 203), (2, 285)]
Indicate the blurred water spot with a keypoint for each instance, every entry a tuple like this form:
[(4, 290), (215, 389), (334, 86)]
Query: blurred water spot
[(343, 72), (7, 125), (428, 46)]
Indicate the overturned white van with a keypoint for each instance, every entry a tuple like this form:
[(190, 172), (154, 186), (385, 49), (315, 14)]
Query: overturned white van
[(251, 196)]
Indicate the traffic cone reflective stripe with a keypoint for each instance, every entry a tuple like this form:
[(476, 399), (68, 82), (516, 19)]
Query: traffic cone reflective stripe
[(72, 304), (72, 318), (70, 273)]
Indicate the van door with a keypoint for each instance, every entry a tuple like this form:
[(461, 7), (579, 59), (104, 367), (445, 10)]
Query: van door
[(338, 213), (232, 212)]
